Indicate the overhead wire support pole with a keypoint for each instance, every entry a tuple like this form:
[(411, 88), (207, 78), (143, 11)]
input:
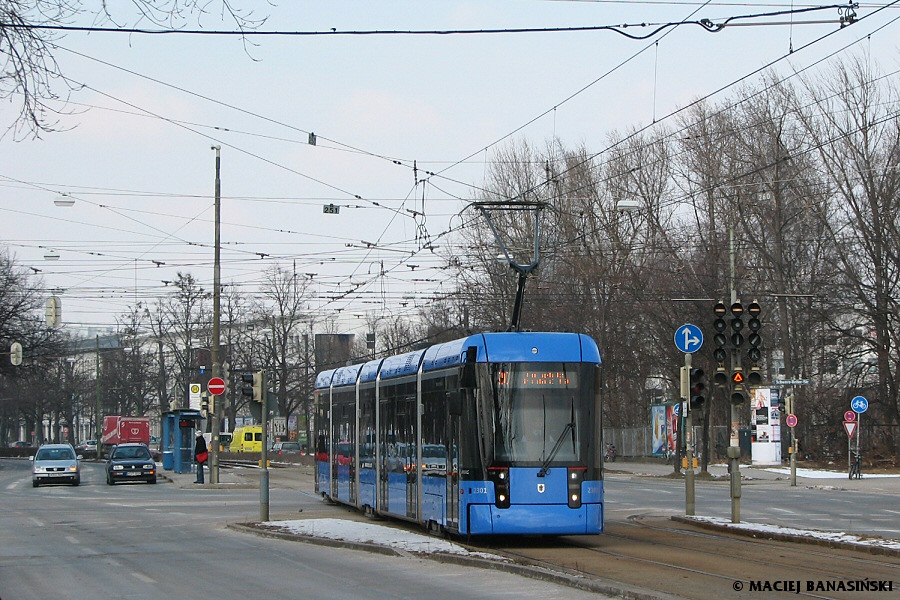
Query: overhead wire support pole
[(214, 351)]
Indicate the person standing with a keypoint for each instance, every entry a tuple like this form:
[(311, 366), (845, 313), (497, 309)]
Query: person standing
[(201, 455)]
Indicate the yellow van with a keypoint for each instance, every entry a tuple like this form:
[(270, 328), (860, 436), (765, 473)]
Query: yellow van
[(247, 439)]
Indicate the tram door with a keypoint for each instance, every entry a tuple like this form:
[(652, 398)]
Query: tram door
[(453, 444)]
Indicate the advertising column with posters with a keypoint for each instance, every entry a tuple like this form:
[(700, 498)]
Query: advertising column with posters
[(765, 426), (664, 429)]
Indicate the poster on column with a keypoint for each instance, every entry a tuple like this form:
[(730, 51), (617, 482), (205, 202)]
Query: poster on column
[(658, 429), (765, 426)]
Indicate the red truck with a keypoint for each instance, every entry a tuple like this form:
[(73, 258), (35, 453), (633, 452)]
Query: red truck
[(124, 430)]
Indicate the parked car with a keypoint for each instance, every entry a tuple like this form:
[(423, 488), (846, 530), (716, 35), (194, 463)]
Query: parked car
[(19, 444), (130, 462), (286, 448), (55, 463)]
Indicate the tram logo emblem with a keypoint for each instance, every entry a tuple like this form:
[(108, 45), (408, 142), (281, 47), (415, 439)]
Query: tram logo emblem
[(541, 488)]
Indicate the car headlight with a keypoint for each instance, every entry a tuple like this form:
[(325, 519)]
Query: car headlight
[(73, 468), (118, 467), (40, 469), (148, 466)]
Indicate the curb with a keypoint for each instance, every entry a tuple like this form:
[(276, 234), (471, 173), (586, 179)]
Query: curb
[(524, 570), (793, 537)]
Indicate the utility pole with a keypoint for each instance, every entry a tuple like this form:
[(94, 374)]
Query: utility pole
[(97, 417), (214, 351)]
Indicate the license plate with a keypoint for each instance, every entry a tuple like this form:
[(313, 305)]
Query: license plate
[(132, 474)]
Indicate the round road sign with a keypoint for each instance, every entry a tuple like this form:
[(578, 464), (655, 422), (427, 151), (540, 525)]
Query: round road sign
[(859, 404), (849, 416), (791, 420), (216, 386)]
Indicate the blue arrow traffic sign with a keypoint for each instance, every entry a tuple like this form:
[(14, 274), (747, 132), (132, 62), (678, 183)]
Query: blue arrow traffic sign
[(859, 404), (688, 338)]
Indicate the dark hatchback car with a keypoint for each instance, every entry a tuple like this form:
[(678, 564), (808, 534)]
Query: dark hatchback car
[(130, 462)]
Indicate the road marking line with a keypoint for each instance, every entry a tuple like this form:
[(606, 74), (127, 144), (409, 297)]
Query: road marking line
[(36, 522), (144, 578), (72, 539)]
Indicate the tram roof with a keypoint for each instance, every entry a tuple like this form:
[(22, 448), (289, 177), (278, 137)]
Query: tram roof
[(492, 347)]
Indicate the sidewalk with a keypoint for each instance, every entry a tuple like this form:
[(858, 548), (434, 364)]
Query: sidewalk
[(875, 482)]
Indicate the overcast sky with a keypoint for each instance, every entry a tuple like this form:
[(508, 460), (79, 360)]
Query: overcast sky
[(134, 146)]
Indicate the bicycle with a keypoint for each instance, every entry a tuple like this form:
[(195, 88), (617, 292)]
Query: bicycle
[(856, 467)]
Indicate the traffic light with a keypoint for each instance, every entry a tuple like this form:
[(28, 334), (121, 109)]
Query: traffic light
[(252, 387), (695, 393), (737, 325), (720, 339), (738, 389), (754, 378), (204, 405)]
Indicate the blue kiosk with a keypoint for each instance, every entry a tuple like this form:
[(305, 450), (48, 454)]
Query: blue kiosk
[(178, 427)]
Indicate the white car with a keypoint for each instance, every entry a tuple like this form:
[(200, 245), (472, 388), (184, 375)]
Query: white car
[(55, 463)]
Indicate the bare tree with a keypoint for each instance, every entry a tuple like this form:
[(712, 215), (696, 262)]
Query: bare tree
[(282, 309), (853, 121), (29, 30)]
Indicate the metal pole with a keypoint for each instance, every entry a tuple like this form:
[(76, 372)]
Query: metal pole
[(734, 449), (689, 498), (214, 351), (97, 418), (264, 470), (790, 410)]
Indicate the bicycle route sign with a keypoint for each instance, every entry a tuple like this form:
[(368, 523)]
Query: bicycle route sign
[(688, 338), (859, 404)]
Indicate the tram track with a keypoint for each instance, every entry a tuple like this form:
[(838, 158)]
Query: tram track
[(649, 554)]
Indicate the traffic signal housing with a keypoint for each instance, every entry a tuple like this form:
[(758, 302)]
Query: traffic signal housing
[(720, 340), (696, 388), (754, 339), (252, 386), (738, 388)]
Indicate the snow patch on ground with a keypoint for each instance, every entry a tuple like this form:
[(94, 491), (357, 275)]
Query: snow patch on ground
[(831, 536), (817, 474), (354, 531)]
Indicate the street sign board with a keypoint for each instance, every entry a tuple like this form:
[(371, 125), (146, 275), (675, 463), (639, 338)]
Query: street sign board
[(791, 420), (216, 386), (859, 404), (688, 338), (849, 416), (790, 382), (850, 427)]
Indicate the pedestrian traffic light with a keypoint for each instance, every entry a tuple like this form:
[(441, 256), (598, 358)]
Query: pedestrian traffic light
[(252, 387), (695, 393), (204, 405)]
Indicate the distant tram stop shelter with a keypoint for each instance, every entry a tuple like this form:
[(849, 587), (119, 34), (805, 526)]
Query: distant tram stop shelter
[(178, 427)]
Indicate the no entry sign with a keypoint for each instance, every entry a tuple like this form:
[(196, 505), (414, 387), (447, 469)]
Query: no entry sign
[(216, 386)]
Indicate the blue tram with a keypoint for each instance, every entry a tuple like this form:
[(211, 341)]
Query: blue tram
[(495, 433)]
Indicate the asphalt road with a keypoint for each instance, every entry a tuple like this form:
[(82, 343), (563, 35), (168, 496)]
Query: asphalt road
[(169, 540)]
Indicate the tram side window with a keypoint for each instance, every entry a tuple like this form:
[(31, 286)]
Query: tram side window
[(322, 425), (434, 427)]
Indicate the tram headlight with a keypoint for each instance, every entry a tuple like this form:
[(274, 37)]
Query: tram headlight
[(576, 477), (499, 476)]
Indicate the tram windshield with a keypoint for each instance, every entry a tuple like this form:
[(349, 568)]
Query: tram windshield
[(539, 413)]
